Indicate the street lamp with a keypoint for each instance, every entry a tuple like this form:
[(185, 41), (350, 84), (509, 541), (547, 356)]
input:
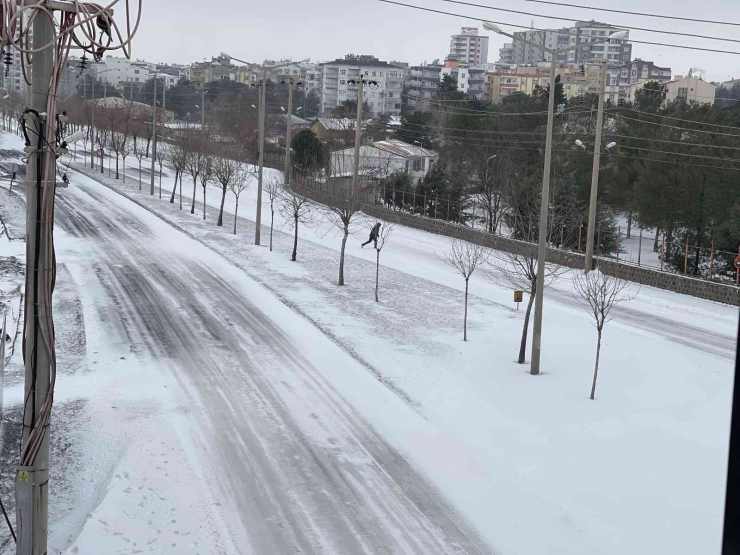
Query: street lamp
[(544, 201)]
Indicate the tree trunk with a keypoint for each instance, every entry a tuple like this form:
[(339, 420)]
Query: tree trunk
[(181, 191), (629, 224), (236, 211), (220, 221), (465, 318), (204, 202), (195, 190), (117, 177), (124, 170), (596, 366), (295, 240), (272, 223), (148, 140), (174, 189), (139, 174), (341, 255), (377, 272), (525, 329), (656, 243)]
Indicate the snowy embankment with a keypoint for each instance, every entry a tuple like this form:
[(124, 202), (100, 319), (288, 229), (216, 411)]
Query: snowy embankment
[(640, 470)]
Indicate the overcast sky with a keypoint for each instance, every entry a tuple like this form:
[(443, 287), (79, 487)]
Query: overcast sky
[(184, 31)]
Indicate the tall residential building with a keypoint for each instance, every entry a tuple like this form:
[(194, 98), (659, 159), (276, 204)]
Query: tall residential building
[(619, 78), (14, 81), (383, 97), (583, 32), (424, 83), (469, 48), (470, 80)]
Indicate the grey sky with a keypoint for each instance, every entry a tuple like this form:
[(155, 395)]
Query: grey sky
[(327, 29)]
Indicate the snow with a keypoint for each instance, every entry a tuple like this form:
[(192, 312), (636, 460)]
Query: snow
[(640, 470), (532, 463)]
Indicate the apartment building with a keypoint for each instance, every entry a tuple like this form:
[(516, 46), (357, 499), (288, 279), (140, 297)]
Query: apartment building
[(424, 83), (619, 78), (469, 48), (383, 95), (470, 80), (582, 33), (682, 89)]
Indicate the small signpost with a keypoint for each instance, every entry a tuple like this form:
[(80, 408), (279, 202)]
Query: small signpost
[(519, 295)]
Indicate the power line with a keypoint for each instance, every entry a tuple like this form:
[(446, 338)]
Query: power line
[(675, 127), (630, 27), (582, 45), (626, 12), (677, 119)]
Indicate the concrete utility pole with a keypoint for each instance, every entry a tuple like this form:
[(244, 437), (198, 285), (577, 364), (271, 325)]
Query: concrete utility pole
[(544, 207), (589, 265), (288, 132), (358, 139), (203, 104), (545, 199), (263, 98), (92, 126), (32, 482), (154, 134)]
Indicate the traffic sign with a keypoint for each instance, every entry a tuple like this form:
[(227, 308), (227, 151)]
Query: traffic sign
[(100, 152), (519, 295), (737, 262)]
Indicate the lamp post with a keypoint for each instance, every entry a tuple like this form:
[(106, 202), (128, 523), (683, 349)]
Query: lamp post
[(544, 201)]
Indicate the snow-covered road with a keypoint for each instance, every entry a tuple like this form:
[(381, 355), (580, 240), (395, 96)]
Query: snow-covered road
[(307, 472)]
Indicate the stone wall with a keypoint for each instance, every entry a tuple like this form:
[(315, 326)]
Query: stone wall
[(728, 294)]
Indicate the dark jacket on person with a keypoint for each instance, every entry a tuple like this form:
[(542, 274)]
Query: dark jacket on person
[(375, 231)]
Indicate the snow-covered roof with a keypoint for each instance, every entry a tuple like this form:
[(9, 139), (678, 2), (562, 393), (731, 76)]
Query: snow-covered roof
[(404, 150), (339, 124)]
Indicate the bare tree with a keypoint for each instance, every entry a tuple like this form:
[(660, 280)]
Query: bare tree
[(176, 156), (195, 161), (383, 236), (206, 177), (273, 188), (295, 209), (465, 257), (224, 171), (138, 151), (344, 205), (238, 184), (119, 121), (599, 293)]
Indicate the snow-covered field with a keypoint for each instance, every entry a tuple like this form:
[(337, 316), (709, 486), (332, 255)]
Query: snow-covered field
[(534, 465)]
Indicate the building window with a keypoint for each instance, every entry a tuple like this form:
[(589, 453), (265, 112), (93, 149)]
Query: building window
[(390, 95), (343, 82), (343, 72), (418, 165)]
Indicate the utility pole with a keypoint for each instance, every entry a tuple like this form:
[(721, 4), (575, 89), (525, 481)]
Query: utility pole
[(544, 207), (263, 98), (358, 139), (32, 477), (589, 261), (164, 121), (288, 132), (154, 133), (203, 104), (92, 125)]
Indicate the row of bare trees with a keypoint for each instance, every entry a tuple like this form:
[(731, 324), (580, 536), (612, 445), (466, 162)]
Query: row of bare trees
[(596, 291)]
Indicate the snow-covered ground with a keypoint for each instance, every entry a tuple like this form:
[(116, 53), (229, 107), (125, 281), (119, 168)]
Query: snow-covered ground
[(533, 464)]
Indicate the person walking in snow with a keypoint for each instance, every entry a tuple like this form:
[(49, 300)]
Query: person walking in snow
[(374, 232)]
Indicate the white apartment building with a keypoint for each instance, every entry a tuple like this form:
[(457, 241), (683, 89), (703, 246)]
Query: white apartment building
[(619, 78), (470, 80), (682, 89), (583, 32), (469, 48), (123, 70), (306, 72), (383, 95)]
